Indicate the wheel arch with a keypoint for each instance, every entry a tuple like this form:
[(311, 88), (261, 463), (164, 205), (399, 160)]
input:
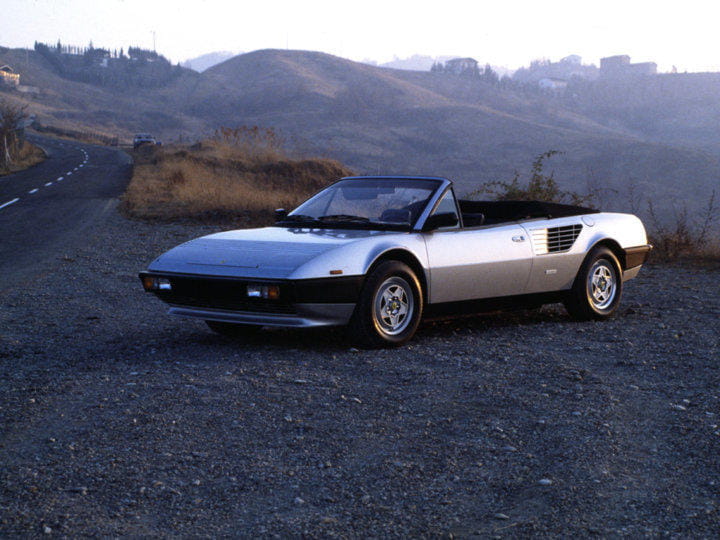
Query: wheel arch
[(404, 256), (613, 246)]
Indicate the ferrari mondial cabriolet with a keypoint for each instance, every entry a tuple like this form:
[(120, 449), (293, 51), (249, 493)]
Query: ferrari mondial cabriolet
[(379, 253)]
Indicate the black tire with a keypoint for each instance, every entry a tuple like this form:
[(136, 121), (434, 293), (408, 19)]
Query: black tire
[(598, 287), (389, 309), (233, 330)]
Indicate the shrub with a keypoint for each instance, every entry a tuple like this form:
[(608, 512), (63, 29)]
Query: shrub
[(11, 117), (540, 187), (685, 236)]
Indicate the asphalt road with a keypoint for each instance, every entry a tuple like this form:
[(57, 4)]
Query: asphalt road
[(48, 208)]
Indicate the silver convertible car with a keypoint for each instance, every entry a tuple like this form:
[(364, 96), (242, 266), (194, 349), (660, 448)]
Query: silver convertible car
[(379, 253)]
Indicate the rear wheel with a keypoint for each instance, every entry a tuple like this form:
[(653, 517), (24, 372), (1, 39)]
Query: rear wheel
[(233, 330), (389, 309), (597, 288)]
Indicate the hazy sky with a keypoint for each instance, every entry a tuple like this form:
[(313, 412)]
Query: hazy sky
[(502, 32)]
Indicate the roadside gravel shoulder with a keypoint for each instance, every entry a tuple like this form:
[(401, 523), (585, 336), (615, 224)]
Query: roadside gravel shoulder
[(116, 419)]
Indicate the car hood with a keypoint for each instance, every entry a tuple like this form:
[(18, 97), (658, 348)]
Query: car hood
[(271, 252)]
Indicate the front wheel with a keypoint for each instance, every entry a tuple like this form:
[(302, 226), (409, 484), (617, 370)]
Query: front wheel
[(597, 288), (389, 309)]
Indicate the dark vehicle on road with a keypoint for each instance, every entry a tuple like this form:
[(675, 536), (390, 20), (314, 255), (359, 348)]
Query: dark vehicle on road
[(142, 139)]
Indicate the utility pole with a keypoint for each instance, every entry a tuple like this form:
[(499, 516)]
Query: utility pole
[(153, 33)]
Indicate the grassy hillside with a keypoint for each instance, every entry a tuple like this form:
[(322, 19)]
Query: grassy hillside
[(238, 177), (676, 108), (392, 121), (86, 107), (396, 121)]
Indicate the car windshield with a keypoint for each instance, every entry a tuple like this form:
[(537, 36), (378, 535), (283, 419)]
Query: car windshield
[(363, 202)]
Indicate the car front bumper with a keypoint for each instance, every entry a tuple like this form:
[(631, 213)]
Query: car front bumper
[(301, 303)]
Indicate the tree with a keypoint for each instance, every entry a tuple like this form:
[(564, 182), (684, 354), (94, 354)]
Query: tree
[(489, 75), (11, 117)]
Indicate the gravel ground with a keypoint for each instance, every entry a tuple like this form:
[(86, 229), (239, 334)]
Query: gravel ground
[(119, 420)]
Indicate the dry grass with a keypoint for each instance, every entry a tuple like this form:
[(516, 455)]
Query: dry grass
[(27, 156), (230, 179), (686, 237)]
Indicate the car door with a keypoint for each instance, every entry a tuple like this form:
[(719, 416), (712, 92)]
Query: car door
[(482, 262), (557, 255)]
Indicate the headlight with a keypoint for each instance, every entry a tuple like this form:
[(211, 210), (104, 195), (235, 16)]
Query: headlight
[(270, 292), (153, 283)]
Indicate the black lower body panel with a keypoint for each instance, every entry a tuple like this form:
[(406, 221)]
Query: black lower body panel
[(635, 256), (485, 305)]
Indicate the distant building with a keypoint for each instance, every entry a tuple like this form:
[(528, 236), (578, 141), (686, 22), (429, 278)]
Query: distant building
[(643, 68), (620, 66), (8, 76), (614, 62), (551, 83), (462, 66), (567, 69)]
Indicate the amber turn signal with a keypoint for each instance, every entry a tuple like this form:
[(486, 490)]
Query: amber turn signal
[(273, 292)]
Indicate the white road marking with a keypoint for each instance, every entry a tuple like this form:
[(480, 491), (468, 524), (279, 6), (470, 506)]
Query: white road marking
[(48, 184), (33, 191), (8, 203), (60, 178), (69, 173), (75, 169)]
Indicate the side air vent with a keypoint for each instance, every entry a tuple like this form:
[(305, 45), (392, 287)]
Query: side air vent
[(555, 239)]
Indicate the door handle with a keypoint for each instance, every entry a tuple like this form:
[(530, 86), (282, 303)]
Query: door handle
[(519, 238)]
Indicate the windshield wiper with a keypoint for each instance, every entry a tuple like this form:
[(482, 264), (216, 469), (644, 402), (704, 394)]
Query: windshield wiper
[(344, 217), (300, 218)]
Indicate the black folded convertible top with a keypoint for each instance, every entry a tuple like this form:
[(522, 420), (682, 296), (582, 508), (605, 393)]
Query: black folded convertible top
[(497, 211)]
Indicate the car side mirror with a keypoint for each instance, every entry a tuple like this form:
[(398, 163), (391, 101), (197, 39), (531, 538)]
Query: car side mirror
[(280, 214), (438, 221)]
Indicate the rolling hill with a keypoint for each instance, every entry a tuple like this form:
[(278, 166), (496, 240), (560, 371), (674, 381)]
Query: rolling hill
[(393, 121)]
